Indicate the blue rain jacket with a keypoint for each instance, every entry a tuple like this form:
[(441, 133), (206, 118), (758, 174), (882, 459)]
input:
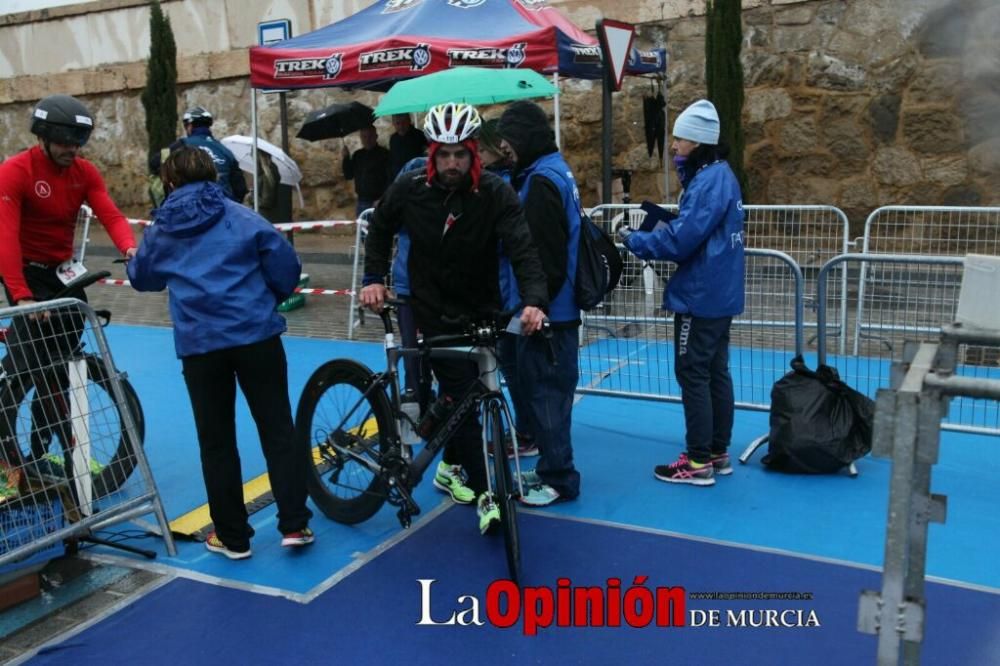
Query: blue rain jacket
[(226, 267), (706, 243)]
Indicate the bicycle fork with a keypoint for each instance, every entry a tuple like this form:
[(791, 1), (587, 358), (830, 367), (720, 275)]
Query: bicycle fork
[(506, 426)]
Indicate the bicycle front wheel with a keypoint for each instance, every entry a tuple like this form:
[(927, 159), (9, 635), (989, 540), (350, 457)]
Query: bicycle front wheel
[(504, 490), (333, 410), (45, 417)]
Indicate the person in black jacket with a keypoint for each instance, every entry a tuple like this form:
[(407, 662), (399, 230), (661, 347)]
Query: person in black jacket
[(405, 143), (551, 200), (369, 168), (455, 215)]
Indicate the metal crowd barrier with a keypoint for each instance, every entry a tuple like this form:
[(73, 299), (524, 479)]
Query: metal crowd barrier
[(924, 298), (71, 460), (356, 313), (628, 345), (924, 231), (809, 234)]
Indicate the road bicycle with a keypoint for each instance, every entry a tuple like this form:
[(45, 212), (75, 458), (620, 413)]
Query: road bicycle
[(360, 431), (69, 400)]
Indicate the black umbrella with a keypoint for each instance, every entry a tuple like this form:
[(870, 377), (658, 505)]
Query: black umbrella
[(335, 121)]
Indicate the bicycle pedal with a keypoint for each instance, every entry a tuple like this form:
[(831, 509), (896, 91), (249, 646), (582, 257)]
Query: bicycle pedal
[(404, 518)]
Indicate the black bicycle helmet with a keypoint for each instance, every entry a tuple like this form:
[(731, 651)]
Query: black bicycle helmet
[(62, 119), (197, 116)]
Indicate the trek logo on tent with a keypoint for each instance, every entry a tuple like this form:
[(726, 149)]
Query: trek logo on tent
[(490, 56), (647, 58), (297, 68), (392, 6), (586, 55), (414, 58), (465, 4)]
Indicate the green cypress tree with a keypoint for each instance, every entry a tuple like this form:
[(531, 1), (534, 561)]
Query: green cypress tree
[(160, 96), (724, 77)]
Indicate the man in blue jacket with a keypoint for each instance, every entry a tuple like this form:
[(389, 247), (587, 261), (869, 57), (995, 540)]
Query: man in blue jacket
[(198, 127), (705, 240), (546, 385), (227, 269)]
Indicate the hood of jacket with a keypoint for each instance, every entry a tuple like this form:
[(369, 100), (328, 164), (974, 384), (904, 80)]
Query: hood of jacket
[(525, 126), (191, 209)]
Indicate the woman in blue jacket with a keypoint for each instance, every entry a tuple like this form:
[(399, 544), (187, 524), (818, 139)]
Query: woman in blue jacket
[(227, 270), (705, 240)]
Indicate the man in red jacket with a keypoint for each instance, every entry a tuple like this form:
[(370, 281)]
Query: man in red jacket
[(41, 191)]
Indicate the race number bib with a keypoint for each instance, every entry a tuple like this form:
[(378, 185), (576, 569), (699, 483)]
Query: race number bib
[(70, 270)]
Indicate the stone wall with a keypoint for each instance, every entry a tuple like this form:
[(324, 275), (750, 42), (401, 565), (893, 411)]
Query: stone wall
[(854, 103)]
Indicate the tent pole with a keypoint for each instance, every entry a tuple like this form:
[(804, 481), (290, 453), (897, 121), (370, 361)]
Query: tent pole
[(555, 103), (253, 133)]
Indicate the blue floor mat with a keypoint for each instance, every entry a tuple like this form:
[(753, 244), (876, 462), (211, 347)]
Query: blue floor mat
[(373, 616), (617, 442)]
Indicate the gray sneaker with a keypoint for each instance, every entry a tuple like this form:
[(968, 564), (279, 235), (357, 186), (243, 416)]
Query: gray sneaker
[(540, 495), (530, 478)]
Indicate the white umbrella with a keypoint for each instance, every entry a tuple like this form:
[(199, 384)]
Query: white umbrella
[(242, 147)]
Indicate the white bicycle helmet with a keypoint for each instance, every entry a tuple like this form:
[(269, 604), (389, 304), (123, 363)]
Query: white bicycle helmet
[(452, 123)]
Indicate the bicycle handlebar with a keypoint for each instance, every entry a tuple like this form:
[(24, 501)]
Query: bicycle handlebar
[(79, 283)]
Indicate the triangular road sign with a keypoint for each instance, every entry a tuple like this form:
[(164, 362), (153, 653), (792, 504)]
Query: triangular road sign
[(616, 42)]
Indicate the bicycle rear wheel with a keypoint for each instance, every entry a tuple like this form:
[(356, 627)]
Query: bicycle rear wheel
[(44, 419), (334, 410), (504, 490)]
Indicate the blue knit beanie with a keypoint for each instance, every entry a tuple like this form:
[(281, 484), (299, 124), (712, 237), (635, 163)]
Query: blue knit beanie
[(699, 123)]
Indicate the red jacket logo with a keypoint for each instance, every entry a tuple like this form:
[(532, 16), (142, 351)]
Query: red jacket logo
[(42, 189)]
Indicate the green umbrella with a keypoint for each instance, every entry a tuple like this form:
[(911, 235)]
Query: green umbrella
[(472, 85)]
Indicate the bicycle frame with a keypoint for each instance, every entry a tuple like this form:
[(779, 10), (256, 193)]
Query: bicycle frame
[(402, 479), (64, 406)]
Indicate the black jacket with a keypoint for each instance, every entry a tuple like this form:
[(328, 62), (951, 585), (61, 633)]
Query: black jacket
[(403, 148), (369, 168), (454, 272)]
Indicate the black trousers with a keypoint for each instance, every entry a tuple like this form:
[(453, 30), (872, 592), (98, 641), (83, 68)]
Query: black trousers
[(34, 344), (701, 364), (262, 372), (465, 448), (31, 343)]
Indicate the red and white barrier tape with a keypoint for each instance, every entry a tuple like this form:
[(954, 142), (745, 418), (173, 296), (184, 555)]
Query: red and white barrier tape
[(302, 226), (285, 226), (300, 290)]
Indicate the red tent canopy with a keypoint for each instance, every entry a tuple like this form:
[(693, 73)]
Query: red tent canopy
[(400, 39)]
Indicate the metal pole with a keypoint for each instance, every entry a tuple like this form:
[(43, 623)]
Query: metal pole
[(283, 101), (666, 133), (555, 107), (606, 135), (253, 133)]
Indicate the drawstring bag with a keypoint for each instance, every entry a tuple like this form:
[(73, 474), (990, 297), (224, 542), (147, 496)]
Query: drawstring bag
[(819, 424)]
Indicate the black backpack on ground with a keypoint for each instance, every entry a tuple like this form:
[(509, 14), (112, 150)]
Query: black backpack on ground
[(598, 265), (819, 424)]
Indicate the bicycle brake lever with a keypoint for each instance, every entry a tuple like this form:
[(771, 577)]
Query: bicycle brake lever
[(546, 331)]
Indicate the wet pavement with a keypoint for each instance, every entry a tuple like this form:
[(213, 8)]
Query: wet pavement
[(326, 257)]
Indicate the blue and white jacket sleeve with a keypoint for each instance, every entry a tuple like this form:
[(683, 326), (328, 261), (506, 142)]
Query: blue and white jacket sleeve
[(700, 213), (279, 262), (141, 269)]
